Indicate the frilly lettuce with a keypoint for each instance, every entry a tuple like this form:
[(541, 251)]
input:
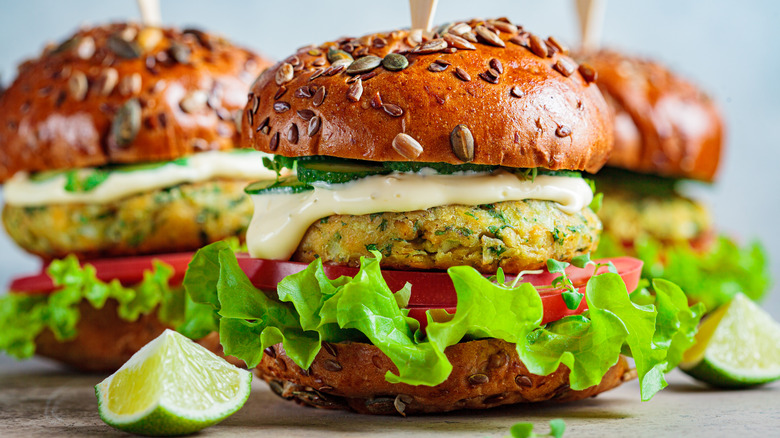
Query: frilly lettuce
[(712, 277), (24, 316), (309, 309)]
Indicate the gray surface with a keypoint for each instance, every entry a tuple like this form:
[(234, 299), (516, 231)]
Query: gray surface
[(731, 48), (52, 404)]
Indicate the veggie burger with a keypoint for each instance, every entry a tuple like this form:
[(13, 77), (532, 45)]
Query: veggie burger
[(431, 253), (668, 131), (118, 144)]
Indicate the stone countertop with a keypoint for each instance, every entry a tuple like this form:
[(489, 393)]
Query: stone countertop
[(41, 401)]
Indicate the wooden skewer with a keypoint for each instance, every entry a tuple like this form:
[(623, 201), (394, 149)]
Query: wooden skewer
[(591, 15), (422, 13), (150, 12)]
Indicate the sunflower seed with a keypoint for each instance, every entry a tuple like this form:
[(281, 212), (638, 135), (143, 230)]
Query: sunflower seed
[(478, 379), (66, 45), (565, 67), (130, 85), (330, 349), (517, 91), (537, 45), (319, 96), (180, 53), (77, 85), (250, 117), (364, 65), (487, 77), (280, 92), (498, 360), (331, 365), (306, 114), (462, 143), (588, 73), (520, 39), (437, 67), (281, 107), (395, 62), (292, 134), (523, 381), (462, 75), (270, 351), (355, 91), (459, 29), (432, 46), (314, 126), (376, 101), (470, 37), (400, 402), (265, 126), (200, 36), (496, 65), (255, 102), (493, 399), (194, 101), (85, 48), (317, 73), (303, 93), (458, 42), (407, 146), (489, 36), (335, 54), (125, 126), (319, 62), (379, 43), (503, 26), (123, 48), (284, 74), (272, 146), (368, 76), (393, 109), (563, 131)]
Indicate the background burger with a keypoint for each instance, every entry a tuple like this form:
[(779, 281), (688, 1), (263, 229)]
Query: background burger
[(118, 144), (668, 131), (457, 150)]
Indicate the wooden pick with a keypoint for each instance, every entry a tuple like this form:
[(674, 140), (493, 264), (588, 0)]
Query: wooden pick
[(591, 17), (150, 12), (422, 13)]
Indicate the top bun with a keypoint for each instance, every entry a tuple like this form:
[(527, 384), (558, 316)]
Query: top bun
[(124, 93), (516, 99), (663, 124)]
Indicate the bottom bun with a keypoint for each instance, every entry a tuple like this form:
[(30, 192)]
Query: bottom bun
[(105, 342), (486, 373)]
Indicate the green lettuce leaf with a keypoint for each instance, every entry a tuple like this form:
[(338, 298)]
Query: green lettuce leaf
[(310, 309), (712, 277), (24, 316)]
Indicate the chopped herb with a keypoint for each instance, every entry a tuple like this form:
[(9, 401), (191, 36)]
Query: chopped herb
[(468, 213), (465, 231), (324, 220), (371, 247), (526, 430), (383, 225)]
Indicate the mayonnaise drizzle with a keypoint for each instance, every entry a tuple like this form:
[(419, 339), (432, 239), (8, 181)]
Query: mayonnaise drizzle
[(280, 220), (22, 191)]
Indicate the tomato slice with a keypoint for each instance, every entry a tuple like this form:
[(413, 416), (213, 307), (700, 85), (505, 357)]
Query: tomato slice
[(434, 289), (128, 270)]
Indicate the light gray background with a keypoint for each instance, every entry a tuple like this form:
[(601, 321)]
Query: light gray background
[(731, 48)]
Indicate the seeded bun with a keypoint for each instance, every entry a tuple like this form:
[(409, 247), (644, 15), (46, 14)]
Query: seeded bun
[(486, 373), (663, 124), (479, 92), (105, 342), (123, 93)]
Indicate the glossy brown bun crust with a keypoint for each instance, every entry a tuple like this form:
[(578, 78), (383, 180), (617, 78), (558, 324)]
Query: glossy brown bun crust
[(123, 93), (663, 124), (105, 342), (486, 373), (522, 99)]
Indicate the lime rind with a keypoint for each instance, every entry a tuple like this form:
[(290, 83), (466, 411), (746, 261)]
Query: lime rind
[(165, 374), (737, 347)]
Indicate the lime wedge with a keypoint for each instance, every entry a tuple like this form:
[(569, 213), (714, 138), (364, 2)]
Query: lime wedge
[(172, 386), (737, 346)]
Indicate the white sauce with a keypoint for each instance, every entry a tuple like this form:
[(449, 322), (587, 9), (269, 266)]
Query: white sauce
[(22, 191), (280, 220)]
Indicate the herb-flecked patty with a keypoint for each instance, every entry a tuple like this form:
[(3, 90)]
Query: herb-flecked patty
[(179, 218), (514, 235), (627, 215)]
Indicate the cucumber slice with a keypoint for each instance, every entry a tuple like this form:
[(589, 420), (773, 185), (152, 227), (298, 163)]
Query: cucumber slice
[(442, 168), (286, 184), (337, 171)]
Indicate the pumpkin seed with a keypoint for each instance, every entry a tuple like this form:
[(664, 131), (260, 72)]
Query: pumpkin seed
[(180, 53), (335, 54), (364, 65), (123, 48), (395, 62), (125, 126)]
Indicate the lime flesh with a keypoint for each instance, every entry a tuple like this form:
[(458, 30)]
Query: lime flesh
[(172, 386), (737, 346)]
